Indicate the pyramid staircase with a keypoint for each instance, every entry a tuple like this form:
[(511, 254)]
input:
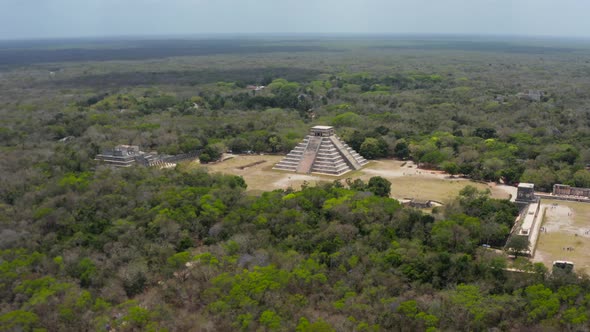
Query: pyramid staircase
[(321, 154)]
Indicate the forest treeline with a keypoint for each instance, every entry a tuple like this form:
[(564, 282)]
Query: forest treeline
[(84, 247), (438, 121), (145, 249)]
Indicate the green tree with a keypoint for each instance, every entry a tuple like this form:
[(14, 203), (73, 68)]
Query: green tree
[(450, 235), (379, 186), (138, 317), (239, 145), (542, 302), (543, 178), (271, 320), (517, 244), (582, 178), (574, 316), (401, 150), (450, 167), (318, 326), (347, 119), (213, 151), (469, 299), (178, 260), (85, 271), (18, 320), (373, 148), (485, 132), (274, 142), (205, 158)]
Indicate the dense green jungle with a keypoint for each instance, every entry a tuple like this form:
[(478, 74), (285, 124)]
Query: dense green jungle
[(87, 247)]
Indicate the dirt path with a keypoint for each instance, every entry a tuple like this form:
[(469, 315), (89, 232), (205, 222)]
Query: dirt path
[(510, 190), (291, 179)]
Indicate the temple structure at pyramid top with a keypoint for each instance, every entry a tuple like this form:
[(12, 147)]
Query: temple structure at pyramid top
[(321, 151)]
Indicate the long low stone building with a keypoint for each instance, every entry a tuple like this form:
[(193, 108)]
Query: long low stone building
[(129, 155), (565, 190), (528, 222)]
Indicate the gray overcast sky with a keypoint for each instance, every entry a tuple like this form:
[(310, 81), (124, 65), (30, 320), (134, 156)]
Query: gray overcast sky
[(80, 18)]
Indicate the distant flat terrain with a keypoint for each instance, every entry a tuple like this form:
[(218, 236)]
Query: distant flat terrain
[(29, 52), (34, 52)]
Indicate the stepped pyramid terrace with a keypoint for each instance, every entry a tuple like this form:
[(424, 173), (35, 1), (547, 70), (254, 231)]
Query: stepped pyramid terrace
[(321, 151), (123, 156)]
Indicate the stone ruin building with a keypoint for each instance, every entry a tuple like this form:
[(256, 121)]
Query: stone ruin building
[(530, 217), (321, 151), (123, 156), (532, 95), (129, 155), (526, 193), (565, 190)]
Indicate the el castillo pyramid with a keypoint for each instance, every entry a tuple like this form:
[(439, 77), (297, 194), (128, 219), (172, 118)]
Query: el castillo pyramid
[(321, 151)]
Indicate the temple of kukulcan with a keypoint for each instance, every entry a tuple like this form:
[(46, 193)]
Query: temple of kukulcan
[(321, 151)]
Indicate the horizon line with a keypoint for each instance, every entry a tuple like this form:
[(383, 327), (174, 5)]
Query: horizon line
[(224, 35)]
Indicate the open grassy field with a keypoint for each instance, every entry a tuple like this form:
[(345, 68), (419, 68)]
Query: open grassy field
[(261, 177), (407, 181), (565, 224)]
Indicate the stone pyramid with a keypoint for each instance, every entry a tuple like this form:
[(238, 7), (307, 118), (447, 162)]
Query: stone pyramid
[(321, 151)]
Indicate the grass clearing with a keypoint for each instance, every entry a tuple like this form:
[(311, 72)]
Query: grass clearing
[(565, 224), (429, 188), (407, 181)]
